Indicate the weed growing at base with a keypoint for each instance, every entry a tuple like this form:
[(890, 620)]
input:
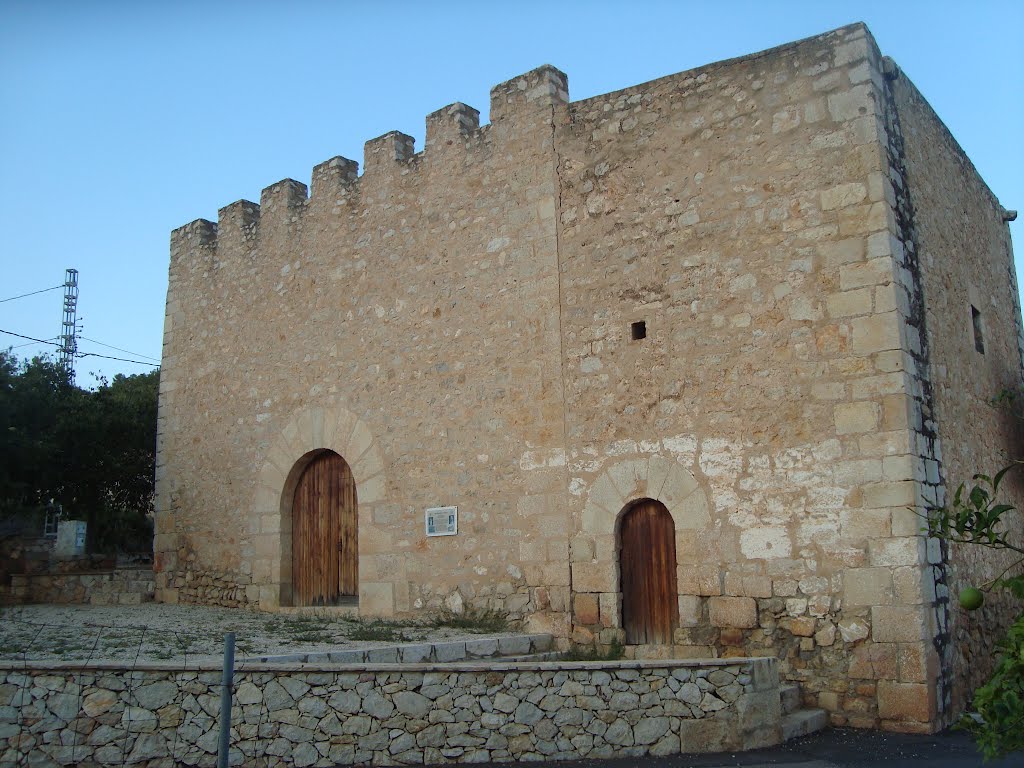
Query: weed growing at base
[(612, 652), (473, 619)]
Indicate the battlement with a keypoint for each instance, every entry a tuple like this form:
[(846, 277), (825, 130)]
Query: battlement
[(392, 147), (455, 141), (337, 181), (195, 234), (545, 86), (518, 107), (238, 221), (334, 178), (451, 124), (286, 193)]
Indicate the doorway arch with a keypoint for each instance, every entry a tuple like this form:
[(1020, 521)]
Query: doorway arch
[(647, 573), (324, 531), (302, 436)]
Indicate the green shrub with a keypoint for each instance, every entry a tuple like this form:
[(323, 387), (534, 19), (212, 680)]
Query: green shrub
[(975, 517), (380, 630), (473, 620), (1000, 702)]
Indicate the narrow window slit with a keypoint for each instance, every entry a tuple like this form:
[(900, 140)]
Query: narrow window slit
[(638, 330), (979, 338)]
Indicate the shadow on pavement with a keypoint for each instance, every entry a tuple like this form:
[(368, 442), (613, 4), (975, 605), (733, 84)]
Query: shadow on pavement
[(831, 748)]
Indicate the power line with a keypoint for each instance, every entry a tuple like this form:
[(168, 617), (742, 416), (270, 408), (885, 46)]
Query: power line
[(77, 354), (111, 346), (29, 344), (108, 357), (33, 293), (31, 338)]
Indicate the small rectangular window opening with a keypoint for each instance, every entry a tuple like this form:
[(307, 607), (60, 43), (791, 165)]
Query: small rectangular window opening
[(638, 330), (979, 339)]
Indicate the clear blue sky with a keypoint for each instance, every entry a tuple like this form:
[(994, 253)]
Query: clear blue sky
[(123, 120)]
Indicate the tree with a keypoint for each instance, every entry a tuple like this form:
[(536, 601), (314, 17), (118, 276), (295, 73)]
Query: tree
[(91, 451), (976, 517), (32, 395)]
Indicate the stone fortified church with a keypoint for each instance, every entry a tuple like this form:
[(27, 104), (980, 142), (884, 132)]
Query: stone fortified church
[(670, 366)]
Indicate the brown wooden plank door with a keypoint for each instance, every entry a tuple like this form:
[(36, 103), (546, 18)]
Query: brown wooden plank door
[(325, 555), (647, 564)]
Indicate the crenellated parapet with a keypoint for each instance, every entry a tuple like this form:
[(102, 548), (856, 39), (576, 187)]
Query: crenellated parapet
[(451, 125), (281, 207), (284, 196), (545, 86), (336, 183), (381, 153), (238, 221), (194, 235), (334, 179)]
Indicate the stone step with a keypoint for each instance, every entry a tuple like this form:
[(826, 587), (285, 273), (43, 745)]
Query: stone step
[(649, 652), (545, 656), (803, 722), (789, 697), (500, 647)]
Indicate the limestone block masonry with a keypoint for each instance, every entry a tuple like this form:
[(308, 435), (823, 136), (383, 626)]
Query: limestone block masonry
[(769, 299)]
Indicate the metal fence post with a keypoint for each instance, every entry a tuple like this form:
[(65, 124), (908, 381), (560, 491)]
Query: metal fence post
[(227, 684)]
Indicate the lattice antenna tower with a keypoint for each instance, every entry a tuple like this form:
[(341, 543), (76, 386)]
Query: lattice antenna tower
[(69, 325)]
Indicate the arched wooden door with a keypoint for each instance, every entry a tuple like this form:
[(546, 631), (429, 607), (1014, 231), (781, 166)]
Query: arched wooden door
[(325, 555), (647, 564)]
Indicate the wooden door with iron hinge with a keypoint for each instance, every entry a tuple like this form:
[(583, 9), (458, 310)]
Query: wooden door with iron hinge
[(647, 562), (325, 557)]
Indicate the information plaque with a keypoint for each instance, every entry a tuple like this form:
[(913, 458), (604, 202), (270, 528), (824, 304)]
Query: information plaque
[(442, 521)]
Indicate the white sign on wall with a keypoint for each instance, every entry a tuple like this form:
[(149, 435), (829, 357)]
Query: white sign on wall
[(442, 521), (70, 538)]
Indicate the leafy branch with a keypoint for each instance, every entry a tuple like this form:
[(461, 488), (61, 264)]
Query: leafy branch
[(976, 517)]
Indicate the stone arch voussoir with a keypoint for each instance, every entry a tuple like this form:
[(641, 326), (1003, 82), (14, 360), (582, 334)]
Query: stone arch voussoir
[(308, 432), (595, 562), (655, 477)]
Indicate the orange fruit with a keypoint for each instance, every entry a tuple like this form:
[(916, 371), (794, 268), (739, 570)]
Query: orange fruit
[(971, 598)]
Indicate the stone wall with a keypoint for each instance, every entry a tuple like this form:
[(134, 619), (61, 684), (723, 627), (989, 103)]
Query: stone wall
[(425, 284), (958, 261), (744, 213), (124, 586), (387, 714)]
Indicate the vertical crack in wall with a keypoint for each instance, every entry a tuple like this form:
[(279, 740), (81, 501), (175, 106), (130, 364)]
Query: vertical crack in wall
[(925, 432)]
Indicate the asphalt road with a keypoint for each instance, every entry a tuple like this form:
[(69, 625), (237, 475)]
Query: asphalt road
[(831, 748)]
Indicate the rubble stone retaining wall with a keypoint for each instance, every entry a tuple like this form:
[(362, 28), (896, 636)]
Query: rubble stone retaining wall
[(123, 586), (293, 715)]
